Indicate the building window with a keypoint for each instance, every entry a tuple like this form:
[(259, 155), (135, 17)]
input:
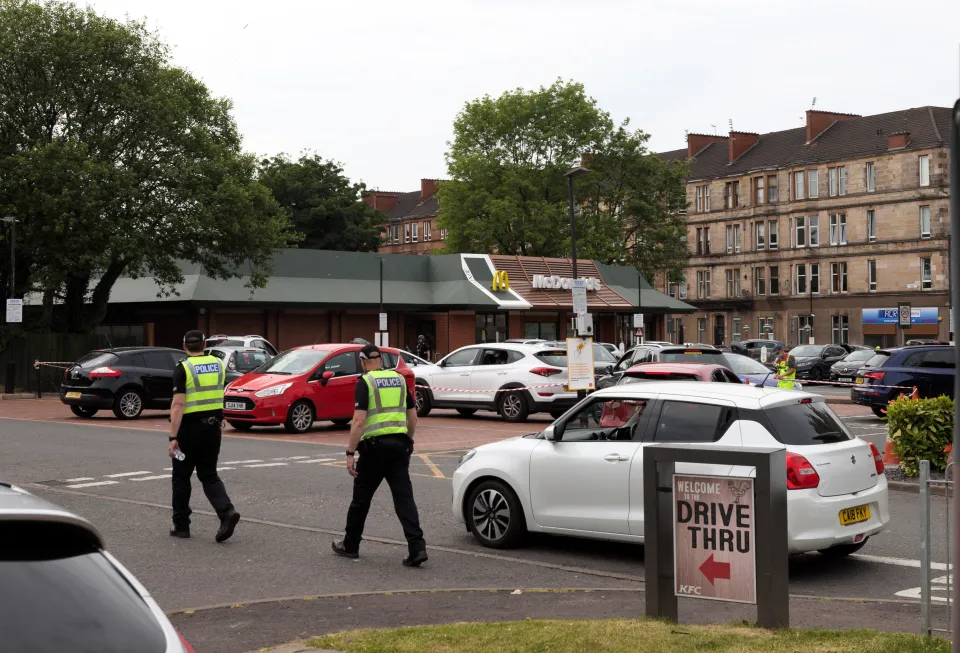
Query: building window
[(926, 274), (758, 190), (761, 237), (765, 328), (427, 230), (703, 283), (736, 238), (735, 322), (804, 328), (540, 330), (406, 233), (771, 189), (396, 234), (813, 176), (872, 276), (729, 239), (443, 233), (871, 225), (838, 181), (703, 199), (801, 279), (838, 277), (731, 194), (733, 283), (815, 278), (838, 229), (871, 177), (683, 290), (924, 221), (414, 231), (491, 327), (701, 329), (801, 240), (772, 233), (798, 185), (841, 329), (703, 241), (814, 230), (842, 174), (672, 289), (774, 280), (924, 170), (759, 281)]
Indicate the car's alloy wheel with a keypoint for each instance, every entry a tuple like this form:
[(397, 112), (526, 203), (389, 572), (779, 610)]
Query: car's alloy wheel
[(300, 418), (421, 400), (491, 514), (494, 515), (128, 405), (513, 408)]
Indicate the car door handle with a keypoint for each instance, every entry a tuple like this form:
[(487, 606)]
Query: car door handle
[(615, 458), (465, 374)]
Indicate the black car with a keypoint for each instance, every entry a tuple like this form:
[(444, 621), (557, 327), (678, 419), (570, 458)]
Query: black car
[(127, 380), (754, 349), (648, 353), (930, 369), (814, 361), (845, 369)]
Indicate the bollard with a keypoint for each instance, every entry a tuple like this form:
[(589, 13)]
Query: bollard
[(11, 380)]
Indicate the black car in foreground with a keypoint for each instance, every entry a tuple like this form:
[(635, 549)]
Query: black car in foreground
[(126, 380)]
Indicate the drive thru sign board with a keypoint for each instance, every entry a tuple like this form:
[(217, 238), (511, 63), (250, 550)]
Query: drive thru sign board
[(714, 541)]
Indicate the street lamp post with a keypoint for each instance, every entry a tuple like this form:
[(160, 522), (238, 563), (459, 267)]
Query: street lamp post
[(13, 253), (579, 171)]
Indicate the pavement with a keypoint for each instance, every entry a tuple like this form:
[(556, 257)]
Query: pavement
[(293, 493)]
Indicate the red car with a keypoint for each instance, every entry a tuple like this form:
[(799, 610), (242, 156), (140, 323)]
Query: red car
[(303, 385)]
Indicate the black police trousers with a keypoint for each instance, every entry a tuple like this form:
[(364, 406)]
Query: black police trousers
[(384, 457), (200, 445)]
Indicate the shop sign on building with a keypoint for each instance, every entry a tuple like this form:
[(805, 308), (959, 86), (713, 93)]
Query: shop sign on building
[(548, 282), (918, 315)]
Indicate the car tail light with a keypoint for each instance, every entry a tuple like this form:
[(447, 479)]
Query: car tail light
[(546, 371), (877, 458), (186, 645), (800, 473), (103, 373), (876, 376)]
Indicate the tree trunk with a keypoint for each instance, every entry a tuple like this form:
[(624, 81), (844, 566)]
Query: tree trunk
[(101, 294)]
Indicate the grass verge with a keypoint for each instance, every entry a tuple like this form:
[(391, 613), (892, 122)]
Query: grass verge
[(621, 635)]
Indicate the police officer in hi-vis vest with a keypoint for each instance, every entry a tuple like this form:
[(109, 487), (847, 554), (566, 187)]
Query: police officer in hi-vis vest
[(384, 420), (195, 418)]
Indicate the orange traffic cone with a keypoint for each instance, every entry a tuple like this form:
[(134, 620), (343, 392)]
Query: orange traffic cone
[(889, 454), (915, 394)]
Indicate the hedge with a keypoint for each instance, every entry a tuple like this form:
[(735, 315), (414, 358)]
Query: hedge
[(921, 429)]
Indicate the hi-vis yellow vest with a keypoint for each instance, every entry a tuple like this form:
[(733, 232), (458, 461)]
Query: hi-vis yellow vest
[(786, 380), (386, 404), (206, 378)]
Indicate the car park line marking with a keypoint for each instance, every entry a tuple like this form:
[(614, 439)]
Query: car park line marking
[(292, 458), (268, 465), (223, 469), (432, 466), (897, 562), (241, 462), (941, 584), (78, 480), (125, 474), (150, 478), (82, 485), (318, 460)]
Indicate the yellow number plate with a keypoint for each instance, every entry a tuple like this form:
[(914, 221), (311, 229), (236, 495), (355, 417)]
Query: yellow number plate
[(860, 381), (854, 515), (73, 395)]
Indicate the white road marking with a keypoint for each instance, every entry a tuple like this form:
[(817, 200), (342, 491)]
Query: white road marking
[(318, 460), (168, 469), (898, 562), (81, 485), (936, 585), (125, 474), (268, 465), (240, 462), (150, 478), (77, 480), (223, 469), (292, 458)]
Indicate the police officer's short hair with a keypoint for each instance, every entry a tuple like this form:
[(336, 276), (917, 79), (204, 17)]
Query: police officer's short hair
[(194, 340)]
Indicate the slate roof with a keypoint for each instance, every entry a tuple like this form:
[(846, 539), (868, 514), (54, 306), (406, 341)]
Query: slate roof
[(409, 207), (844, 139)]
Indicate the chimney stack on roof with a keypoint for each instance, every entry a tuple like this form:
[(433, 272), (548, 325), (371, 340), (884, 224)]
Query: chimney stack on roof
[(740, 142), (428, 188), (696, 142), (898, 140), (381, 201), (818, 121)]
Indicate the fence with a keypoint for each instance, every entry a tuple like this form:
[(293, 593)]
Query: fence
[(931, 588), (23, 349)]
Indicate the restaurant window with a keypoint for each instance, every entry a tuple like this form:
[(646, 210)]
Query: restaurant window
[(841, 329), (491, 327), (541, 330), (772, 234), (774, 280)]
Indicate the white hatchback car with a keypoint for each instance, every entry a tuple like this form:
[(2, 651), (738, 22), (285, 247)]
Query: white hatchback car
[(583, 475)]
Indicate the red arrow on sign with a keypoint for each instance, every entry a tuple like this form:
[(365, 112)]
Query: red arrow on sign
[(712, 570)]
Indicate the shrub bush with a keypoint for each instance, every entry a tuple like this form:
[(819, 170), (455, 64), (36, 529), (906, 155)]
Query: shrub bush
[(921, 429)]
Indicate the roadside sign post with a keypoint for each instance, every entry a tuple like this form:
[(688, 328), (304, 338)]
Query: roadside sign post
[(954, 302), (579, 291), (14, 311), (904, 319), (716, 537), (580, 370)]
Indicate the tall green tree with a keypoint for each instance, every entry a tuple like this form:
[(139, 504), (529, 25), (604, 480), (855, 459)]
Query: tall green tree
[(507, 192), (324, 205), (630, 207), (116, 162)]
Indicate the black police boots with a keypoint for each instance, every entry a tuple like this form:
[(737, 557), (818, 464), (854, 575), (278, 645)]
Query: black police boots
[(341, 550), (415, 559), (180, 532), (227, 526)]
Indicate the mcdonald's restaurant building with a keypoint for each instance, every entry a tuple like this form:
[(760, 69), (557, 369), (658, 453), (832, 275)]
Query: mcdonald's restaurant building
[(318, 296)]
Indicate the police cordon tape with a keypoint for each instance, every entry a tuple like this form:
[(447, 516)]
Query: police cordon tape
[(63, 365), (530, 387)]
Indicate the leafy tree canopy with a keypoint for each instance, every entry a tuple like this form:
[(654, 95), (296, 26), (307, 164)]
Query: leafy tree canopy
[(114, 161)]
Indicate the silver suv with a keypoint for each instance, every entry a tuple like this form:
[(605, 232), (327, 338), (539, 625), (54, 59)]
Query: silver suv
[(247, 342), (58, 584), (239, 360)]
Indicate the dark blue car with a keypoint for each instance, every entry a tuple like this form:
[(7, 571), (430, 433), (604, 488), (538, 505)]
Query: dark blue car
[(929, 368)]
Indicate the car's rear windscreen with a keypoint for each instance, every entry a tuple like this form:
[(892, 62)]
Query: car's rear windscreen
[(557, 358), (640, 377), (806, 424), (693, 356), (878, 360), (97, 359)]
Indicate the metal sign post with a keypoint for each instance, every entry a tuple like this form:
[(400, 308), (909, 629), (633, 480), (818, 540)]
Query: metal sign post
[(904, 319), (954, 302), (716, 537)]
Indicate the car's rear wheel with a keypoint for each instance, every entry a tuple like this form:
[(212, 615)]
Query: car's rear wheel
[(843, 550), (83, 411), (300, 417), (467, 412), (341, 421), (816, 374), (241, 426), (494, 515), (878, 411), (128, 404), (513, 407), (421, 397)]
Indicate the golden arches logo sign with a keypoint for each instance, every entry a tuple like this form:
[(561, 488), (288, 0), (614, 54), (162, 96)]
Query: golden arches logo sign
[(500, 281)]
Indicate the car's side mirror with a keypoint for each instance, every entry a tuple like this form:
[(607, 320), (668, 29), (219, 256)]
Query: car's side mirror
[(326, 376), (608, 369), (553, 433)]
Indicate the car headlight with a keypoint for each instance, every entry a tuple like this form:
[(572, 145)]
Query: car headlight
[(467, 456), (273, 390)]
